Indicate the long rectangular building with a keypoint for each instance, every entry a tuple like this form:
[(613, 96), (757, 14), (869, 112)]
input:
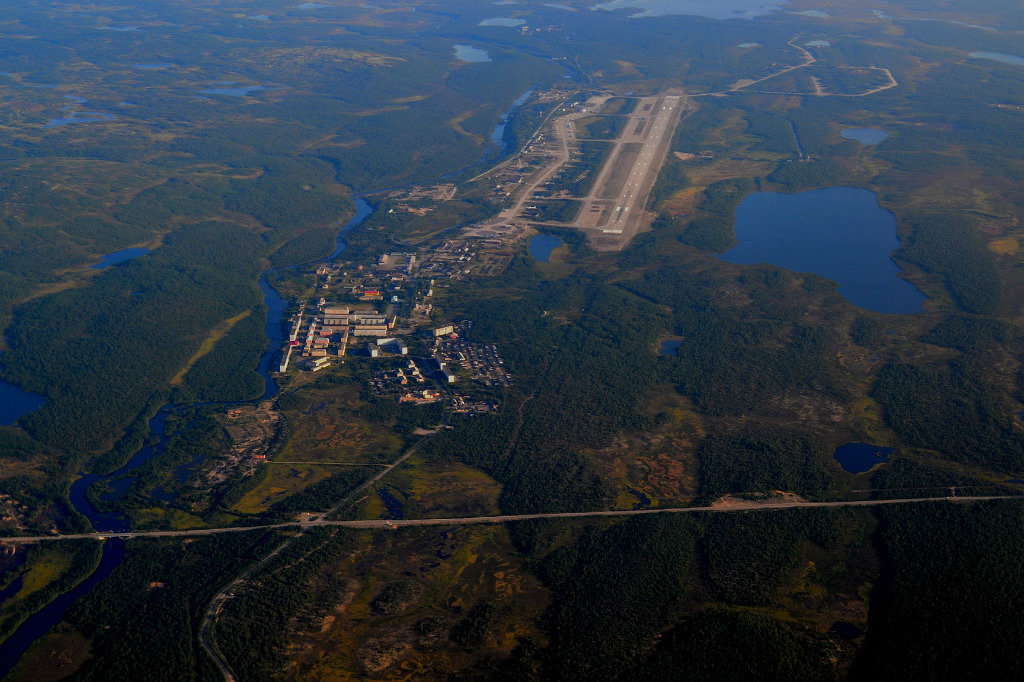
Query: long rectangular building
[(336, 316), (369, 330)]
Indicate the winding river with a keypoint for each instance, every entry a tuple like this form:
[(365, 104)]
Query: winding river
[(38, 624)]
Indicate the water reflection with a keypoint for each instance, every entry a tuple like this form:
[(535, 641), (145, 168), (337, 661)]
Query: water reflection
[(840, 233)]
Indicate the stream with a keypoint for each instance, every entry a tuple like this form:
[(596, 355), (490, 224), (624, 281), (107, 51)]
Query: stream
[(39, 623)]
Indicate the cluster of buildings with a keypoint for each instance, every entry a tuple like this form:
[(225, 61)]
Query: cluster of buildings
[(327, 333), (400, 286), (390, 346), (461, 403), (421, 199), (397, 376), (14, 515), (482, 361)]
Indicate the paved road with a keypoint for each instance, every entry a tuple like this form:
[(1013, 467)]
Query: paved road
[(313, 522), (207, 638)]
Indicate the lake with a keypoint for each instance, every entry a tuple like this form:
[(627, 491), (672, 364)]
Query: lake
[(121, 256), (840, 233), (240, 91), (999, 57), (503, 21), (857, 458), (669, 346), (541, 246), (79, 117), (16, 403), (498, 135), (868, 136), (712, 9), (470, 54)]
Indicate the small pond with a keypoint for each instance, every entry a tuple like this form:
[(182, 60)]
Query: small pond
[(840, 233), (121, 256), (239, 91), (541, 246), (16, 403), (79, 117), (868, 136), (503, 21), (470, 54), (847, 631), (860, 457), (669, 346)]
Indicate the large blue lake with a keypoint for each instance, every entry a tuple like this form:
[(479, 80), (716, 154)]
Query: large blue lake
[(840, 233)]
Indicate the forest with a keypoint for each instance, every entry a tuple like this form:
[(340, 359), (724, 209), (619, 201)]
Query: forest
[(769, 370)]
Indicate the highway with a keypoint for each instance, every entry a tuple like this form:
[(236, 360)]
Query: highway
[(382, 524), (207, 638)]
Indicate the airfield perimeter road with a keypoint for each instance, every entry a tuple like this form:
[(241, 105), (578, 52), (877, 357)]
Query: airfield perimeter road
[(613, 211), (378, 524)]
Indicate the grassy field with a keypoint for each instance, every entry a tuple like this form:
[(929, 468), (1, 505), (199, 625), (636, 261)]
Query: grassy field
[(326, 429), (456, 571), (209, 343)]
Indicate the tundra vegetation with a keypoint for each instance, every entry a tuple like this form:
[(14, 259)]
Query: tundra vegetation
[(772, 369)]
